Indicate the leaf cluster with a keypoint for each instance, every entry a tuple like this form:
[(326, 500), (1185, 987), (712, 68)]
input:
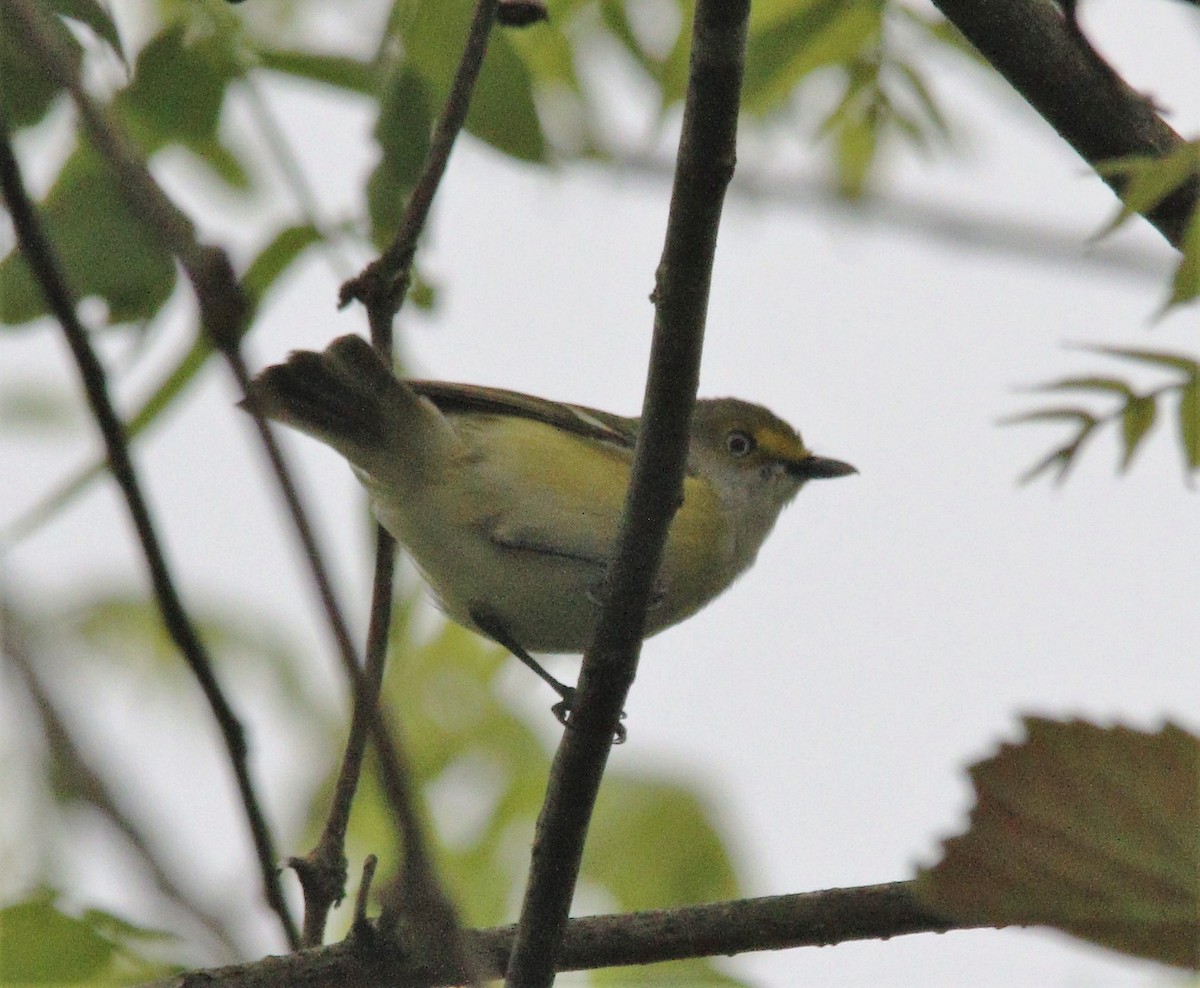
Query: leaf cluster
[(1135, 413)]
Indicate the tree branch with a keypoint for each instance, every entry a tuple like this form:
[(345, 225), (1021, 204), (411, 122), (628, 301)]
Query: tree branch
[(719, 929), (707, 152), (42, 260), (417, 895), (1079, 95), (381, 287)]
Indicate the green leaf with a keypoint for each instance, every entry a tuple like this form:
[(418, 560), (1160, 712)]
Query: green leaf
[(1185, 286), (925, 99), (26, 88), (1148, 179), (857, 144), (503, 112), (695, 972), (1113, 385), (1189, 423), (402, 132), (812, 35), (274, 259), (1136, 420), (176, 96), (85, 208), (95, 16), (1092, 831), (1060, 460), (1158, 358), (339, 71), (616, 19), (1081, 415), (652, 819), (42, 945), (30, 406)]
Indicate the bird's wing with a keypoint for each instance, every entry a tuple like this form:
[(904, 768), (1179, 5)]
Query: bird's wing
[(554, 491), (465, 399)]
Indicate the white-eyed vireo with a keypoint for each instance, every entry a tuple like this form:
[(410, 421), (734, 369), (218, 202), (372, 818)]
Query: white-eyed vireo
[(509, 504)]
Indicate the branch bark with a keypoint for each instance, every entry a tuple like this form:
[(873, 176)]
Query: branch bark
[(705, 163), (810, 919), (1091, 107), (47, 271)]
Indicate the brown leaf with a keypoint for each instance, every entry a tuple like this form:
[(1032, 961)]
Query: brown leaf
[(1089, 830)]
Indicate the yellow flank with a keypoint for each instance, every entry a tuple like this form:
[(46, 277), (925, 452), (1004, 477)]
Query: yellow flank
[(561, 495)]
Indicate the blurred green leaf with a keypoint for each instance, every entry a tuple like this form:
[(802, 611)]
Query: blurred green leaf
[(340, 71), (1189, 422), (616, 19), (402, 131), (1136, 421), (692, 973), (42, 945), (26, 103), (808, 36), (857, 127), (30, 406), (502, 111), (483, 774), (127, 629), (176, 96), (1150, 179), (1137, 411), (1156, 358), (1185, 286), (654, 819), (96, 16), (1112, 385), (274, 259), (132, 273)]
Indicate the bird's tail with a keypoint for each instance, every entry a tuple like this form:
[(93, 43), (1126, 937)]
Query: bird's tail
[(348, 398)]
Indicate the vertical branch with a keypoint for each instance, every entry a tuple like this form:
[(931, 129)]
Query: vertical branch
[(707, 152), (43, 262), (382, 287)]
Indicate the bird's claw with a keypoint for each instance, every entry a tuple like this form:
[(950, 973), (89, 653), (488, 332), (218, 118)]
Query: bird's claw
[(562, 712)]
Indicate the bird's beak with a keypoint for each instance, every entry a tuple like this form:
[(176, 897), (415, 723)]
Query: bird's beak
[(819, 468)]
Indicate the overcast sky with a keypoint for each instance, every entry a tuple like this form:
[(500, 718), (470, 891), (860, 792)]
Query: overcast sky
[(899, 622)]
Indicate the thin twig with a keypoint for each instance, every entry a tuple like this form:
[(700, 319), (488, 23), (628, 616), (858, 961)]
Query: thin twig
[(1091, 107), (42, 260), (384, 283), (707, 151), (719, 929), (381, 287)]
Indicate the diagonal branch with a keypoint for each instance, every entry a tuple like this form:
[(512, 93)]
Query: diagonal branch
[(707, 151), (40, 255), (1080, 96)]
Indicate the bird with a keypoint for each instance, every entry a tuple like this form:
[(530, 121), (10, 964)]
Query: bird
[(509, 504)]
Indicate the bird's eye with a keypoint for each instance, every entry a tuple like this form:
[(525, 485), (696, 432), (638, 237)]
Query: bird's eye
[(739, 443)]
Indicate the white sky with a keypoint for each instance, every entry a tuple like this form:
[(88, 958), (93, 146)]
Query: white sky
[(897, 624)]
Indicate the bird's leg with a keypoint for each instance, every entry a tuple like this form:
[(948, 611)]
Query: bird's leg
[(496, 630)]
